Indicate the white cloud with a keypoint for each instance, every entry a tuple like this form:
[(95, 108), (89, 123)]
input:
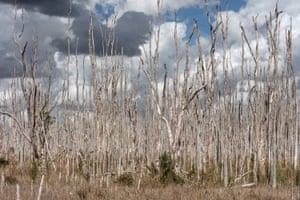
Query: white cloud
[(167, 49), (151, 7), (167, 45), (148, 6), (262, 9), (7, 21)]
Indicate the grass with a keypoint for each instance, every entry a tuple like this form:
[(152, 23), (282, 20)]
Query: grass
[(125, 186), (156, 183), (116, 191)]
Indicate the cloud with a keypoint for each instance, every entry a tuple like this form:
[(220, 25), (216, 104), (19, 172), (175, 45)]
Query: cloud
[(167, 48), (261, 10), (128, 36), (7, 69), (49, 26), (38, 32), (53, 8), (48, 19), (148, 7), (131, 35)]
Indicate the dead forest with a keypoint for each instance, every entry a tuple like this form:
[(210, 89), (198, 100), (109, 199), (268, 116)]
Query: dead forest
[(212, 125)]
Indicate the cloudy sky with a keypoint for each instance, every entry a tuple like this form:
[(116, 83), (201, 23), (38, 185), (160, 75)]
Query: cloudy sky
[(48, 20)]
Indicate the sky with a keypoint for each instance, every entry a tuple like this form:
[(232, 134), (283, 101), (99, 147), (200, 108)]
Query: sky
[(48, 21)]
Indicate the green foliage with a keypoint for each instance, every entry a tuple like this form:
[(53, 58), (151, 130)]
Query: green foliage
[(34, 169), (192, 172), (280, 174), (3, 162), (283, 173), (167, 174), (166, 163), (125, 179), (177, 179), (47, 118), (230, 180), (297, 177)]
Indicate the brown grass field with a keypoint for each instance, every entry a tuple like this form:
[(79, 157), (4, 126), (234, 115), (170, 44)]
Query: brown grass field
[(17, 183), (184, 192)]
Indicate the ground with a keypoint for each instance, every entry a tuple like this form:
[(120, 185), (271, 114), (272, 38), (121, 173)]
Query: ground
[(172, 192)]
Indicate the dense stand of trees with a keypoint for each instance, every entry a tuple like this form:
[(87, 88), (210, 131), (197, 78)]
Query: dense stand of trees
[(124, 117)]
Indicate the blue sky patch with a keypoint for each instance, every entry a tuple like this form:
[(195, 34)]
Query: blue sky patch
[(106, 11)]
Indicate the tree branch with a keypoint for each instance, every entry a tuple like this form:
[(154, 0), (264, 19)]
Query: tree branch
[(18, 123)]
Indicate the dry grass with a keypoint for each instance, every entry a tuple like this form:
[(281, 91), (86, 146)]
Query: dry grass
[(184, 192), (61, 185), (57, 186)]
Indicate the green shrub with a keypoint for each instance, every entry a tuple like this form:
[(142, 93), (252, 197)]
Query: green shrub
[(192, 172), (167, 174), (126, 179), (297, 177), (3, 162), (34, 169), (284, 173)]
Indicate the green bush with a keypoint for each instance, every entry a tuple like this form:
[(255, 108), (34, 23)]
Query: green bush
[(298, 177), (192, 173), (34, 169), (167, 174), (126, 179), (3, 162)]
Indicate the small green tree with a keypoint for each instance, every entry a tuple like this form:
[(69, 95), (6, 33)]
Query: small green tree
[(167, 166)]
